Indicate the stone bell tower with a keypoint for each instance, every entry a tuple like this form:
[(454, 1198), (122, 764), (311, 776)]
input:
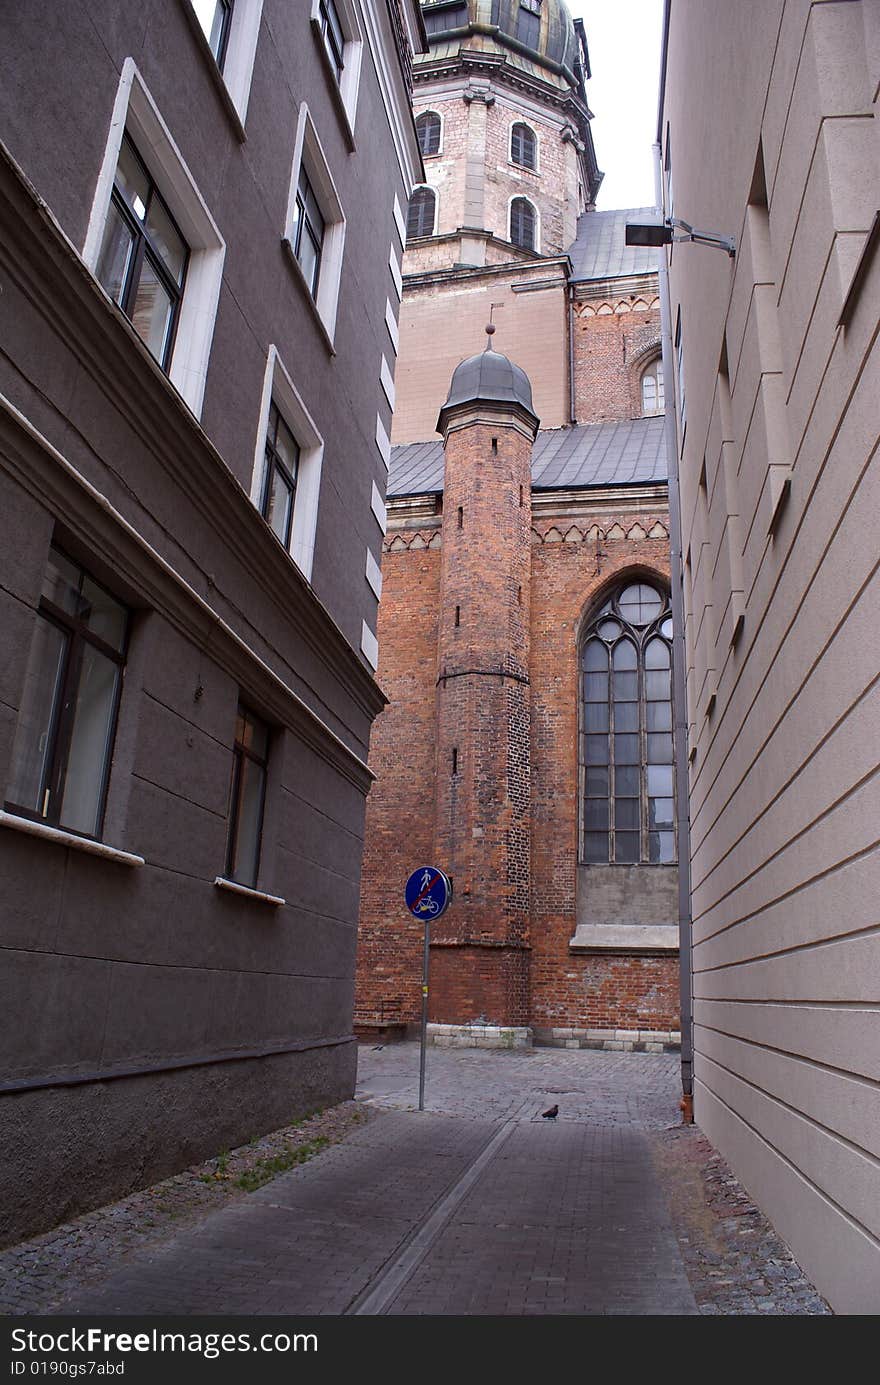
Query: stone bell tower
[(480, 951)]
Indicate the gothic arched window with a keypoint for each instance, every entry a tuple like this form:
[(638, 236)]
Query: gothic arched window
[(428, 131), (420, 217), (652, 387), (626, 729), (522, 223), (523, 146)]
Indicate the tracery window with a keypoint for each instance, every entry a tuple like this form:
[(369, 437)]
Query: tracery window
[(626, 729)]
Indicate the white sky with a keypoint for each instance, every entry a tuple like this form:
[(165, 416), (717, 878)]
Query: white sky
[(623, 37)]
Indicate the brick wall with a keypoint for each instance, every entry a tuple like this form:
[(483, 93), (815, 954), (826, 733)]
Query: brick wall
[(597, 990), (614, 339)]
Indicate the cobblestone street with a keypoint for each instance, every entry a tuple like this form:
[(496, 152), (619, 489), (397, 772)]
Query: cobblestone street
[(477, 1206)]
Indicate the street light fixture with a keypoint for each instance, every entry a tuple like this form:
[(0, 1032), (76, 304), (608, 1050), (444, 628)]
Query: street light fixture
[(657, 233)]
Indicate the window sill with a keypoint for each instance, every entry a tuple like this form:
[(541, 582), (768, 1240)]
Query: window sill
[(523, 168), (223, 884), (56, 834), (216, 75), (345, 122), (625, 937), (301, 280)]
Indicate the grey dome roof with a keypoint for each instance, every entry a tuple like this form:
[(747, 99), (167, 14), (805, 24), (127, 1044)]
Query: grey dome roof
[(489, 376), (556, 39)]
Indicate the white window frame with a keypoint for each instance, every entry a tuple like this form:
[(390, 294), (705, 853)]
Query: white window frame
[(308, 152), (352, 55), (279, 387), (241, 50), (431, 110), (518, 120), (135, 111), (536, 249)]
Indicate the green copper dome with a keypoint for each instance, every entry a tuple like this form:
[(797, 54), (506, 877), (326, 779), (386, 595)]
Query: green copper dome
[(542, 29)]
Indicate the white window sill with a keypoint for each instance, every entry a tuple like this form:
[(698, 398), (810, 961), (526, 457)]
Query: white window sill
[(223, 884), (301, 280), (55, 834), (338, 102)]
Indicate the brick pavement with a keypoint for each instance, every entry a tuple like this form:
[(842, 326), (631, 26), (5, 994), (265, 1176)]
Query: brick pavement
[(476, 1206)]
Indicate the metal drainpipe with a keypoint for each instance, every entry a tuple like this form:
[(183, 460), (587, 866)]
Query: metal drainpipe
[(679, 692), (572, 411)]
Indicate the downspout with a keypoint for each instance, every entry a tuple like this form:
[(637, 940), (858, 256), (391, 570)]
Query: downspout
[(572, 411), (679, 691)]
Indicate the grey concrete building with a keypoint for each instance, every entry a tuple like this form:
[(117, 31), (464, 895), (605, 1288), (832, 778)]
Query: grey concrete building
[(769, 134), (202, 218)]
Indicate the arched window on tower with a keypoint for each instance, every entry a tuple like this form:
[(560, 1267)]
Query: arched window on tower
[(523, 146), (652, 387), (420, 217), (522, 223), (626, 730), (428, 131)]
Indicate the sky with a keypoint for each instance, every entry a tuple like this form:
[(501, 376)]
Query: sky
[(623, 37)]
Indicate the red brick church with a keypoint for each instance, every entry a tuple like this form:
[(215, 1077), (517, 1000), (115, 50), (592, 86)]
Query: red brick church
[(524, 628)]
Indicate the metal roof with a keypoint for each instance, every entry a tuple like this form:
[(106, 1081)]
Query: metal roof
[(600, 250), (625, 453)]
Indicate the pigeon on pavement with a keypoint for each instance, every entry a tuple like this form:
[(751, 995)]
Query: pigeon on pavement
[(551, 1114)]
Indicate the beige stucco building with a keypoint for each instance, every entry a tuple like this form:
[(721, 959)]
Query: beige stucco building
[(769, 134)]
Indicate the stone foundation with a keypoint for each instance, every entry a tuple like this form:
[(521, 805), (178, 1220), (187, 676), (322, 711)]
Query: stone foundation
[(612, 1040)]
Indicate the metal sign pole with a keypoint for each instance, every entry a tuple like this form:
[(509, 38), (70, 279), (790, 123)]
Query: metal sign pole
[(424, 1015)]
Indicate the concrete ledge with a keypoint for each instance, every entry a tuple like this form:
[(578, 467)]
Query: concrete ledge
[(611, 1040), (625, 937), (478, 1036)]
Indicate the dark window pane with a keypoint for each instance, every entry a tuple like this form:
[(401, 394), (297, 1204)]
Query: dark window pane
[(626, 750), (420, 217), (90, 742), (660, 749), (660, 813), (61, 584), (596, 814), (661, 846), (626, 780), (596, 750), (626, 846), (595, 656), (114, 260), (595, 687), (32, 750), (656, 654), (246, 854), (285, 445), (131, 180), (522, 145), (657, 688), (105, 616), (596, 781), (595, 846), (626, 812), (167, 240), (522, 223), (279, 504), (626, 716), (660, 781), (252, 733), (659, 716), (626, 687), (308, 259), (624, 656), (596, 716), (151, 312), (640, 604)]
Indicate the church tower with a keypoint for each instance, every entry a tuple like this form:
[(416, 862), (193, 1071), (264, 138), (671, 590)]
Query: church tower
[(482, 785)]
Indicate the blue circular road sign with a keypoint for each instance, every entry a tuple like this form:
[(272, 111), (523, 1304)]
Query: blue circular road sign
[(428, 892)]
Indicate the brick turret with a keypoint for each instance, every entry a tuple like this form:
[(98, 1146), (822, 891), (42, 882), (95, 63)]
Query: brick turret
[(480, 949)]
